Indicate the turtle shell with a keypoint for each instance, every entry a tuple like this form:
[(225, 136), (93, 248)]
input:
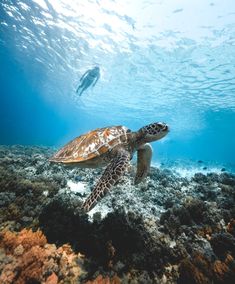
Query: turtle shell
[(92, 144)]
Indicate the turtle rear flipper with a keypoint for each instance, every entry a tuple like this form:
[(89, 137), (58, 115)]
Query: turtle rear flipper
[(111, 175), (144, 157)]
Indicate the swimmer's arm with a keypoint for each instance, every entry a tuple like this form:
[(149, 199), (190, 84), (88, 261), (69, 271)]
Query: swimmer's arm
[(84, 75), (97, 78)]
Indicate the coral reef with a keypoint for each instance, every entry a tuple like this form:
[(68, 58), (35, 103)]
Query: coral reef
[(100, 279), (24, 189), (172, 229), (199, 270), (25, 257)]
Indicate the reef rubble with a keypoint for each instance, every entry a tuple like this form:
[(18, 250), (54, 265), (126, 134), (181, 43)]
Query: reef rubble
[(170, 229)]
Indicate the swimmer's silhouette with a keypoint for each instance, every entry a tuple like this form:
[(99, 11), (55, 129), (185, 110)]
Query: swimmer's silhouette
[(90, 77)]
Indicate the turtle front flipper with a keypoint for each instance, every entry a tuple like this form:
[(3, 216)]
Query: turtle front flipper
[(144, 156), (111, 175)]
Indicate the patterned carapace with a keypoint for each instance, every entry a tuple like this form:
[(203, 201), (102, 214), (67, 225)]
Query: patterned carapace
[(91, 144)]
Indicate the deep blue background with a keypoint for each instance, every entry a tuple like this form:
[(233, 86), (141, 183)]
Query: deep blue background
[(29, 116)]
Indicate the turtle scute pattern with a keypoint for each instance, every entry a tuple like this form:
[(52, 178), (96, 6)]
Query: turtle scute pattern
[(91, 144), (109, 178)]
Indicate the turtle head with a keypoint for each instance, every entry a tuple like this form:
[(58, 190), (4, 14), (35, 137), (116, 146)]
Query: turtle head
[(153, 132)]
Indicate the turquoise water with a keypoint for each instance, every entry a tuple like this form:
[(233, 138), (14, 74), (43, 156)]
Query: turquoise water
[(171, 61)]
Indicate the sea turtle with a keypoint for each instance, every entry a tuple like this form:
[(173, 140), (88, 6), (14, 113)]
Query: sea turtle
[(112, 146)]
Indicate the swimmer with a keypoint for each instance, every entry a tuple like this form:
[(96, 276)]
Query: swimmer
[(90, 77)]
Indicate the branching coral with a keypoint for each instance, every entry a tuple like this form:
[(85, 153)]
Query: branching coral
[(27, 258)]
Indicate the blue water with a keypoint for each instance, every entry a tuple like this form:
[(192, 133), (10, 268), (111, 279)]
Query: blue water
[(171, 61)]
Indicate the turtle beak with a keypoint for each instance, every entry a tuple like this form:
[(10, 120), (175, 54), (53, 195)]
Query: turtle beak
[(166, 128), (163, 127)]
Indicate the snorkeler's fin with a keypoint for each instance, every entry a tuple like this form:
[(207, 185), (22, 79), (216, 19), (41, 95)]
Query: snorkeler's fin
[(111, 175)]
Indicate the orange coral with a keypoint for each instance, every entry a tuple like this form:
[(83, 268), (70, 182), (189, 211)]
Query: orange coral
[(28, 258), (200, 270), (26, 238), (231, 226), (220, 269), (205, 232), (229, 259), (52, 279), (191, 274), (105, 280), (204, 265), (223, 269)]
